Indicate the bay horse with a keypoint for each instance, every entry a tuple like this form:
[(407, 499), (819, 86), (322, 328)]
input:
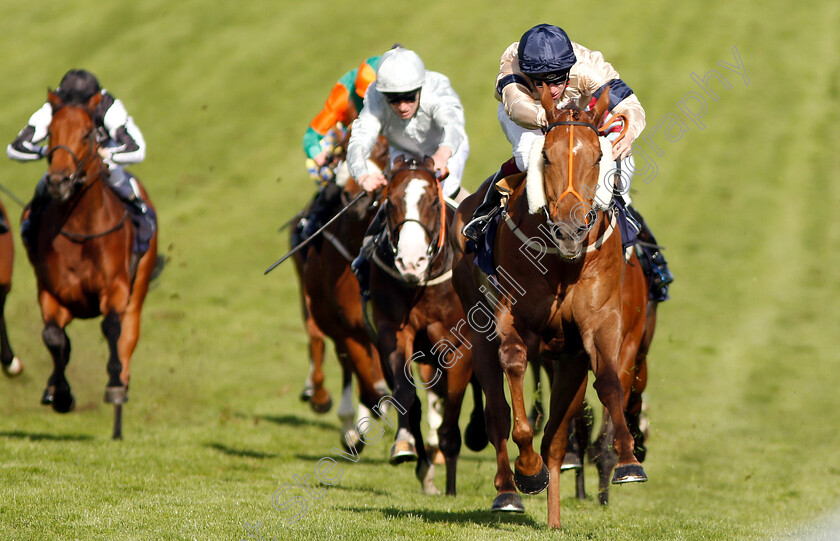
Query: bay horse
[(418, 317), (11, 364), (567, 309), (82, 255), (332, 307)]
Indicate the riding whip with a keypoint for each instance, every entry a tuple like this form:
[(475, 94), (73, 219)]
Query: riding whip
[(306, 241), (13, 196)]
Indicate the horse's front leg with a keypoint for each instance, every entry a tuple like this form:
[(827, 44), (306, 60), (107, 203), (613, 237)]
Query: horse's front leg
[(530, 473), (567, 392), (604, 350), (56, 318), (394, 346), (490, 376)]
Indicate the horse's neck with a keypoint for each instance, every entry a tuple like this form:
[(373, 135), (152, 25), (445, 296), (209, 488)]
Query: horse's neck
[(94, 202)]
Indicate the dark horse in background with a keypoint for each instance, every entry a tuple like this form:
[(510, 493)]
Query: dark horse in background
[(418, 318), (566, 308), (82, 257), (11, 364), (332, 306)]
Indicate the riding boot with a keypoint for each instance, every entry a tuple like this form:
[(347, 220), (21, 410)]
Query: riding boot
[(361, 265), (144, 220), (142, 216), (653, 261), (483, 214), (322, 209)]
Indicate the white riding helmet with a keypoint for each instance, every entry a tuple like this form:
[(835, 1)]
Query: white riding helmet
[(400, 70)]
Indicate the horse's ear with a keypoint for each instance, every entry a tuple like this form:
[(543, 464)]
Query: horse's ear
[(429, 162), (545, 99), (53, 99), (94, 102), (601, 106), (399, 161)]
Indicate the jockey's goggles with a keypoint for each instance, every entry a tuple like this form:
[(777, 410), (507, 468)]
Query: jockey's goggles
[(398, 97), (552, 78)]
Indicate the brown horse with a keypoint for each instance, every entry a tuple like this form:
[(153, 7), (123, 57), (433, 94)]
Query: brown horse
[(418, 316), (11, 364), (82, 255), (568, 309), (639, 324), (332, 307)]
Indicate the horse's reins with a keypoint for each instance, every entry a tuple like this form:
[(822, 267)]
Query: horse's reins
[(434, 250), (76, 178), (591, 215)]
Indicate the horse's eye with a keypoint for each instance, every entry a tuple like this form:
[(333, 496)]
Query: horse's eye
[(598, 161), (545, 158)]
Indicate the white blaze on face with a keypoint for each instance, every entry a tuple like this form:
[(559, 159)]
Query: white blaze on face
[(413, 247)]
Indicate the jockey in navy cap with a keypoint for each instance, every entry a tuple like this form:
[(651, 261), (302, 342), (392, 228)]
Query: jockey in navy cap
[(546, 56)]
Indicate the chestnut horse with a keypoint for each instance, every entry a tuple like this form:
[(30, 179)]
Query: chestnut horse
[(11, 364), (416, 311), (568, 309), (82, 255), (332, 307)]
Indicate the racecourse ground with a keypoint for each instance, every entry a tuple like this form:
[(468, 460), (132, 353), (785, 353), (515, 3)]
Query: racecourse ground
[(744, 407)]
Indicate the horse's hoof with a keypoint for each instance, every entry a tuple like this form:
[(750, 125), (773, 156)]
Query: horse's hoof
[(116, 395), (426, 475), (532, 484), (306, 394), (402, 451), (629, 473), (604, 498), (48, 396), (355, 441), (14, 368), (508, 502), (571, 461), (321, 408), (63, 402), (475, 436)]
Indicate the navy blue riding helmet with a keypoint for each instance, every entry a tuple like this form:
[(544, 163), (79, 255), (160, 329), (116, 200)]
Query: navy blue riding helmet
[(546, 54), (77, 87)]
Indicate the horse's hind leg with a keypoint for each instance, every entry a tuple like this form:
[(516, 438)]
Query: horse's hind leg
[(314, 392)]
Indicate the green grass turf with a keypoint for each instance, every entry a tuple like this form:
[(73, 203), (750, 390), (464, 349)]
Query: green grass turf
[(744, 407)]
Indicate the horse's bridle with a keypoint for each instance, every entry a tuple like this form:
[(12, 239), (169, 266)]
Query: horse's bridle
[(591, 214), (436, 244), (81, 165)]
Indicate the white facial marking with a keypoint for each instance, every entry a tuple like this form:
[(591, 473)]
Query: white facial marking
[(412, 248)]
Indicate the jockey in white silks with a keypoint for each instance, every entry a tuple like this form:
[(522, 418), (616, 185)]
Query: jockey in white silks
[(420, 115), (121, 143)]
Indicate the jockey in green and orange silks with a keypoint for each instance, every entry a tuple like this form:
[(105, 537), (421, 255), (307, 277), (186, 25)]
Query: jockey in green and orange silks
[(342, 107)]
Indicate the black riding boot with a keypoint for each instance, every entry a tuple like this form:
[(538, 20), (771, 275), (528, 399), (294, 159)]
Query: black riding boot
[(483, 215), (361, 265), (322, 209), (653, 262)]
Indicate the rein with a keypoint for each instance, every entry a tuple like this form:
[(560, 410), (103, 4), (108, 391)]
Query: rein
[(78, 178), (435, 249)]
